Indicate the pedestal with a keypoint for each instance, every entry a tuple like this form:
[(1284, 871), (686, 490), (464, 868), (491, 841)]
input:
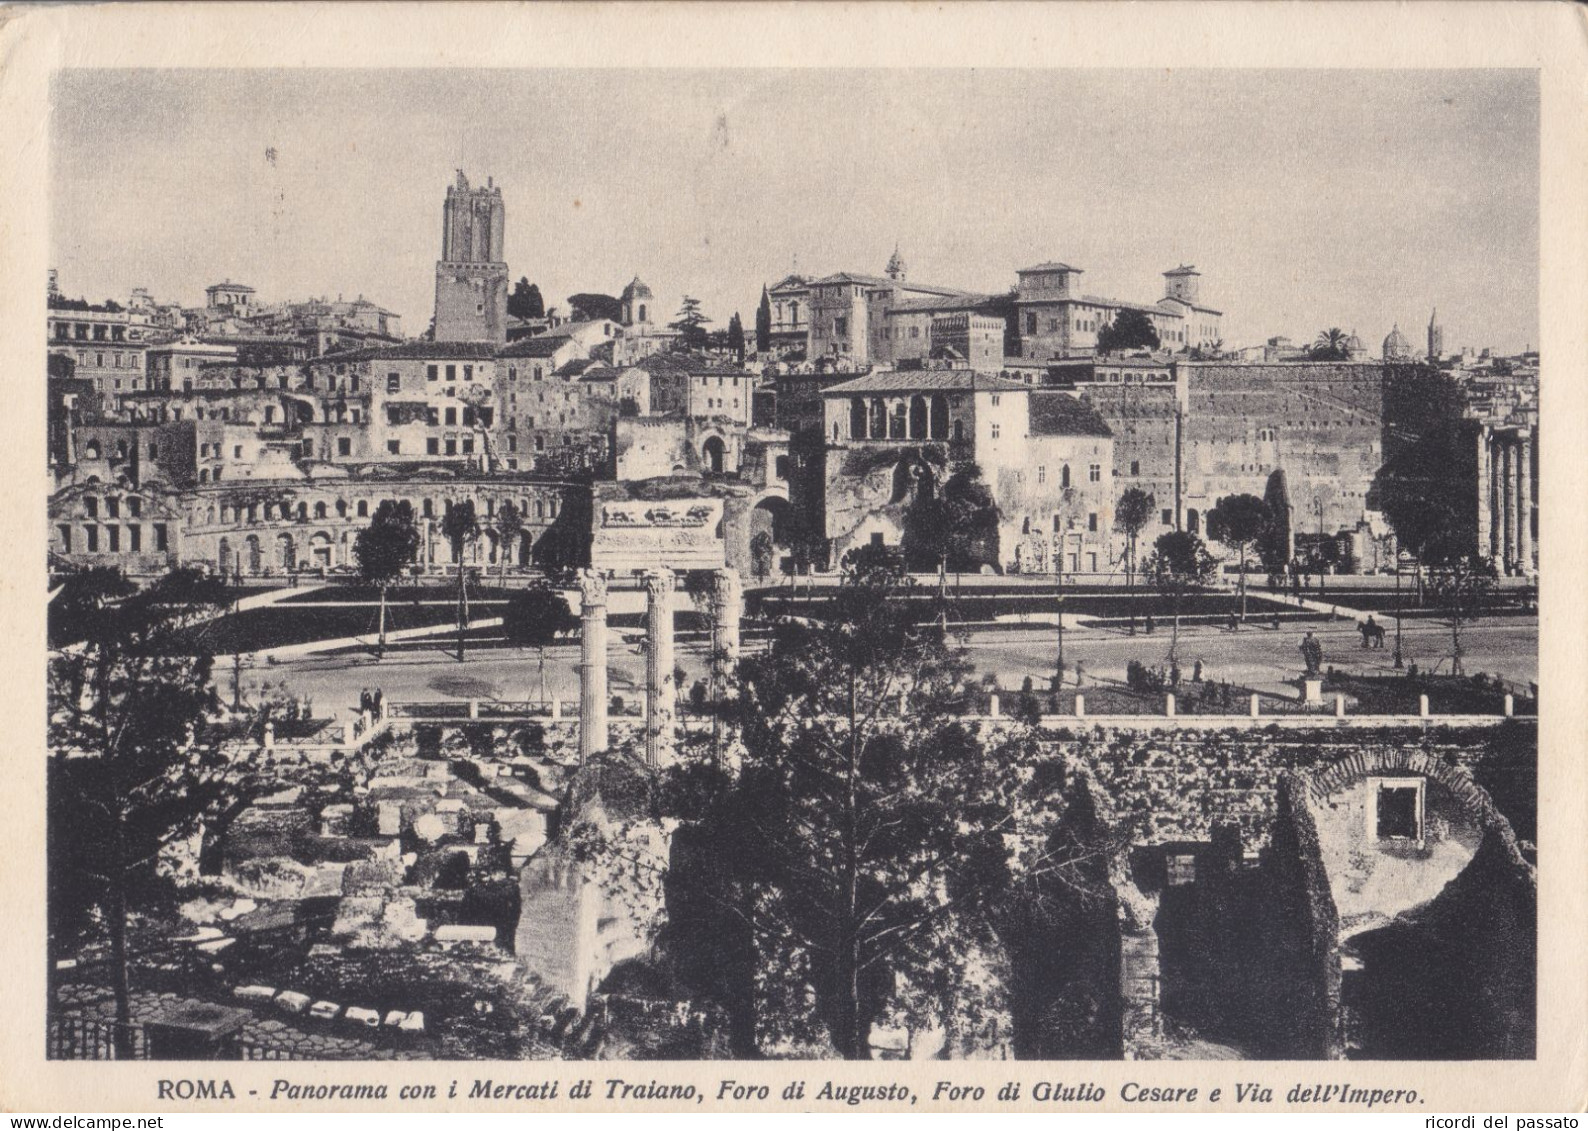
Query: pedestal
[(1312, 689)]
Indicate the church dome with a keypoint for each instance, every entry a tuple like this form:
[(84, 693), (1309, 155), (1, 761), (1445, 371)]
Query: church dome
[(896, 267), (636, 289), (1396, 345), (1353, 344)]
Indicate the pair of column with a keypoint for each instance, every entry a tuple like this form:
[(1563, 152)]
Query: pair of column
[(661, 688), (1505, 514)]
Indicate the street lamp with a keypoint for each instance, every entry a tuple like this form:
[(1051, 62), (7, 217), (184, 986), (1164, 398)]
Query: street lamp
[(1058, 586), (1317, 508), (1398, 662)]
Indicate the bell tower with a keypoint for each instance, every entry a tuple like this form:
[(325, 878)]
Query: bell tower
[(471, 276)]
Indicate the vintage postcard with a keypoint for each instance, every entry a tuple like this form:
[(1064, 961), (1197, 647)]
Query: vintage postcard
[(1034, 547)]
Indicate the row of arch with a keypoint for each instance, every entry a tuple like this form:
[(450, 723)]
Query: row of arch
[(542, 510), (919, 418), (286, 553)]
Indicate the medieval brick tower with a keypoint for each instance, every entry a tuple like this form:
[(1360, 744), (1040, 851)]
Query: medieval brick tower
[(471, 277), (1436, 337)]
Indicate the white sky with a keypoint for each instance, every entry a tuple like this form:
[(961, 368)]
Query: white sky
[(1307, 199)]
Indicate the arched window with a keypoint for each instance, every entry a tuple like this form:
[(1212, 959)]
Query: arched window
[(939, 422), (879, 419), (959, 431), (857, 418), (918, 424), (319, 510), (897, 423), (642, 312), (1192, 520), (1064, 476), (1025, 525), (91, 449), (341, 508), (204, 475)]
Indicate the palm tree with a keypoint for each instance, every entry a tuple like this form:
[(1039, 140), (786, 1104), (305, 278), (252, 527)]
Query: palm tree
[(1131, 515), (1330, 344), (461, 527)]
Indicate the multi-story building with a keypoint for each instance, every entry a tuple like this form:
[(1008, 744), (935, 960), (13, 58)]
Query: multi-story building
[(471, 276), (107, 344), (1057, 321), (1047, 457)]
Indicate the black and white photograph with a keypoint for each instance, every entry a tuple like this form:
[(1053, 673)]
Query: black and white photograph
[(685, 564)]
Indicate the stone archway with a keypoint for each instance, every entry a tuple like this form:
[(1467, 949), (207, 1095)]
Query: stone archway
[(320, 550), (713, 454), (285, 557)]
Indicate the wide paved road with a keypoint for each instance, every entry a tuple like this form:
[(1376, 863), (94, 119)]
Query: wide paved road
[(1255, 656)]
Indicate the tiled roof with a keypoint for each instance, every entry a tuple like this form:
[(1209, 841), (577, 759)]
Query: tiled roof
[(1049, 266), (1183, 270), (445, 351), (1192, 305), (542, 346), (941, 302), (1059, 414), (575, 367), (925, 380)]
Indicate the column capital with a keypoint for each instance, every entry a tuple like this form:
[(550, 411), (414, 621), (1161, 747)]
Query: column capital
[(592, 587), (659, 582)]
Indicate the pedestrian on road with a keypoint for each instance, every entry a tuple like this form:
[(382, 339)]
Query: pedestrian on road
[(1150, 625), (1276, 620), (1234, 622)]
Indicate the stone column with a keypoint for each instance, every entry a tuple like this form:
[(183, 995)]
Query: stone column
[(1492, 499), (1485, 492), (660, 692), (726, 609), (592, 663), (1507, 507), (1524, 504)]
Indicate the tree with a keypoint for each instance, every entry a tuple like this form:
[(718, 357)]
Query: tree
[(1240, 522), (691, 324), (736, 337), (955, 527), (1330, 346), (857, 844), (525, 301), (1064, 521), (763, 323), (1179, 564), (534, 618), (1425, 491), (132, 763), (461, 527), (763, 553), (1462, 588), (384, 549), (1131, 515), (586, 307), (1275, 545), (508, 526), (81, 600), (1131, 329)]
